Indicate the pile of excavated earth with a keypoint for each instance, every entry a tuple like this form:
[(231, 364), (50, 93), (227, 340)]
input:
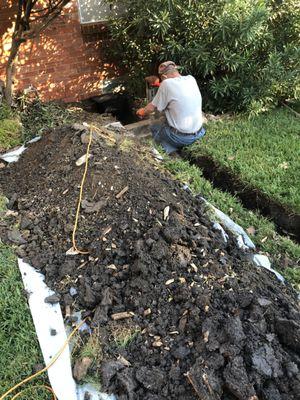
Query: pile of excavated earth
[(203, 322)]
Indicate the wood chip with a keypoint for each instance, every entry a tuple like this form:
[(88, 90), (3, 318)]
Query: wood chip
[(166, 212), (195, 268), (147, 312), (123, 191), (106, 231), (170, 281), (157, 343), (182, 280), (206, 336), (113, 246), (122, 315), (68, 311), (112, 266)]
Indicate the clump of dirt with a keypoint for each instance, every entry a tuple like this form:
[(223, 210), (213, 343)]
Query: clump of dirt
[(181, 314)]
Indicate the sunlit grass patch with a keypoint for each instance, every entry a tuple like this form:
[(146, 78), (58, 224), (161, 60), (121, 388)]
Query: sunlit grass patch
[(263, 151)]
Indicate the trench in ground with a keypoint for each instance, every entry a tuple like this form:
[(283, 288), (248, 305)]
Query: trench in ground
[(287, 221)]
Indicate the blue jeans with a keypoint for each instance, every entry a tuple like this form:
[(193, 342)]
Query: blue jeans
[(171, 141)]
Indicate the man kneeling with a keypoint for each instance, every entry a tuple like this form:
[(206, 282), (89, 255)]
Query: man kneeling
[(180, 98)]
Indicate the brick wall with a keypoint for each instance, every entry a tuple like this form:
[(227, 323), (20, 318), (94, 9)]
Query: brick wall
[(63, 63)]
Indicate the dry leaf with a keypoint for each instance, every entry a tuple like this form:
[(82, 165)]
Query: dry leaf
[(72, 252), (251, 230), (283, 165)]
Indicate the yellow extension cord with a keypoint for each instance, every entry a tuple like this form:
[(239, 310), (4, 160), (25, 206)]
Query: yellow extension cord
[(78, 326), (55, 358), (80, 195)]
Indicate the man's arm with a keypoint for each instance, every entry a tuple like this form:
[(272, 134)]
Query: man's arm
[(145, 111)]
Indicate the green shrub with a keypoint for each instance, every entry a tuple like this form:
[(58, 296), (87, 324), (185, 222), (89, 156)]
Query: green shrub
[(244, 53)]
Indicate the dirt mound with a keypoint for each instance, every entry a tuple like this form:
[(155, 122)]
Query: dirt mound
[(198, 321)]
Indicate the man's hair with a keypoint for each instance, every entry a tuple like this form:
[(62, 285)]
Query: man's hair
[(167, 67)]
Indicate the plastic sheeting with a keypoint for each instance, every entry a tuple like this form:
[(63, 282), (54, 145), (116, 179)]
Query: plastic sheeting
[(243, 240), (14, 155), (51, 333)]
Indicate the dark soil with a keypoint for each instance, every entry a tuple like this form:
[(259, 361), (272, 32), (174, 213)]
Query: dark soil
[(286, 220), (210, 325)]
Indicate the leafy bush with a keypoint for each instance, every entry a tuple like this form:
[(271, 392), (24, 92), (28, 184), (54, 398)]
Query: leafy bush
[(244, 53), (38, 117), (10, 128)]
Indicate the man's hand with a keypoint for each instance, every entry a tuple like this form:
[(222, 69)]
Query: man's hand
[(141, 113), (153, 80)]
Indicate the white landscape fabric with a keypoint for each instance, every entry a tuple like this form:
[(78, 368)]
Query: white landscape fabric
[(50, 330)]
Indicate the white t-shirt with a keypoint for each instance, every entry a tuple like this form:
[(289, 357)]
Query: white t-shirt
[(181, 100)]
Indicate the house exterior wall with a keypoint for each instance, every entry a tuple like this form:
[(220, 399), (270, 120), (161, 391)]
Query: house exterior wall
[(62, 63)]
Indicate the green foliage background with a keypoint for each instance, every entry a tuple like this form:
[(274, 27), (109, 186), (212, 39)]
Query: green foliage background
[(244, 53)]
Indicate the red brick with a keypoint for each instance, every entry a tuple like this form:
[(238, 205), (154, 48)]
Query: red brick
[(69, 62)]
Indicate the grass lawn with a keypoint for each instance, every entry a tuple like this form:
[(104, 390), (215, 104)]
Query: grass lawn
[(20, 350), (263, 151), (265, 237)]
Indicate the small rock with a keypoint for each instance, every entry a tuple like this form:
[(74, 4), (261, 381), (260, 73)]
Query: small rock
[(264, 302), (82, 160), (37, 368), (157, 343), (147, 312), (87, 396), (79, 127), (81, 368), (25, 223), (73, 291), (20, 252), (181, 352), (53, 299), (90, 207), (12, 201), (292, 369), (16, 237)]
